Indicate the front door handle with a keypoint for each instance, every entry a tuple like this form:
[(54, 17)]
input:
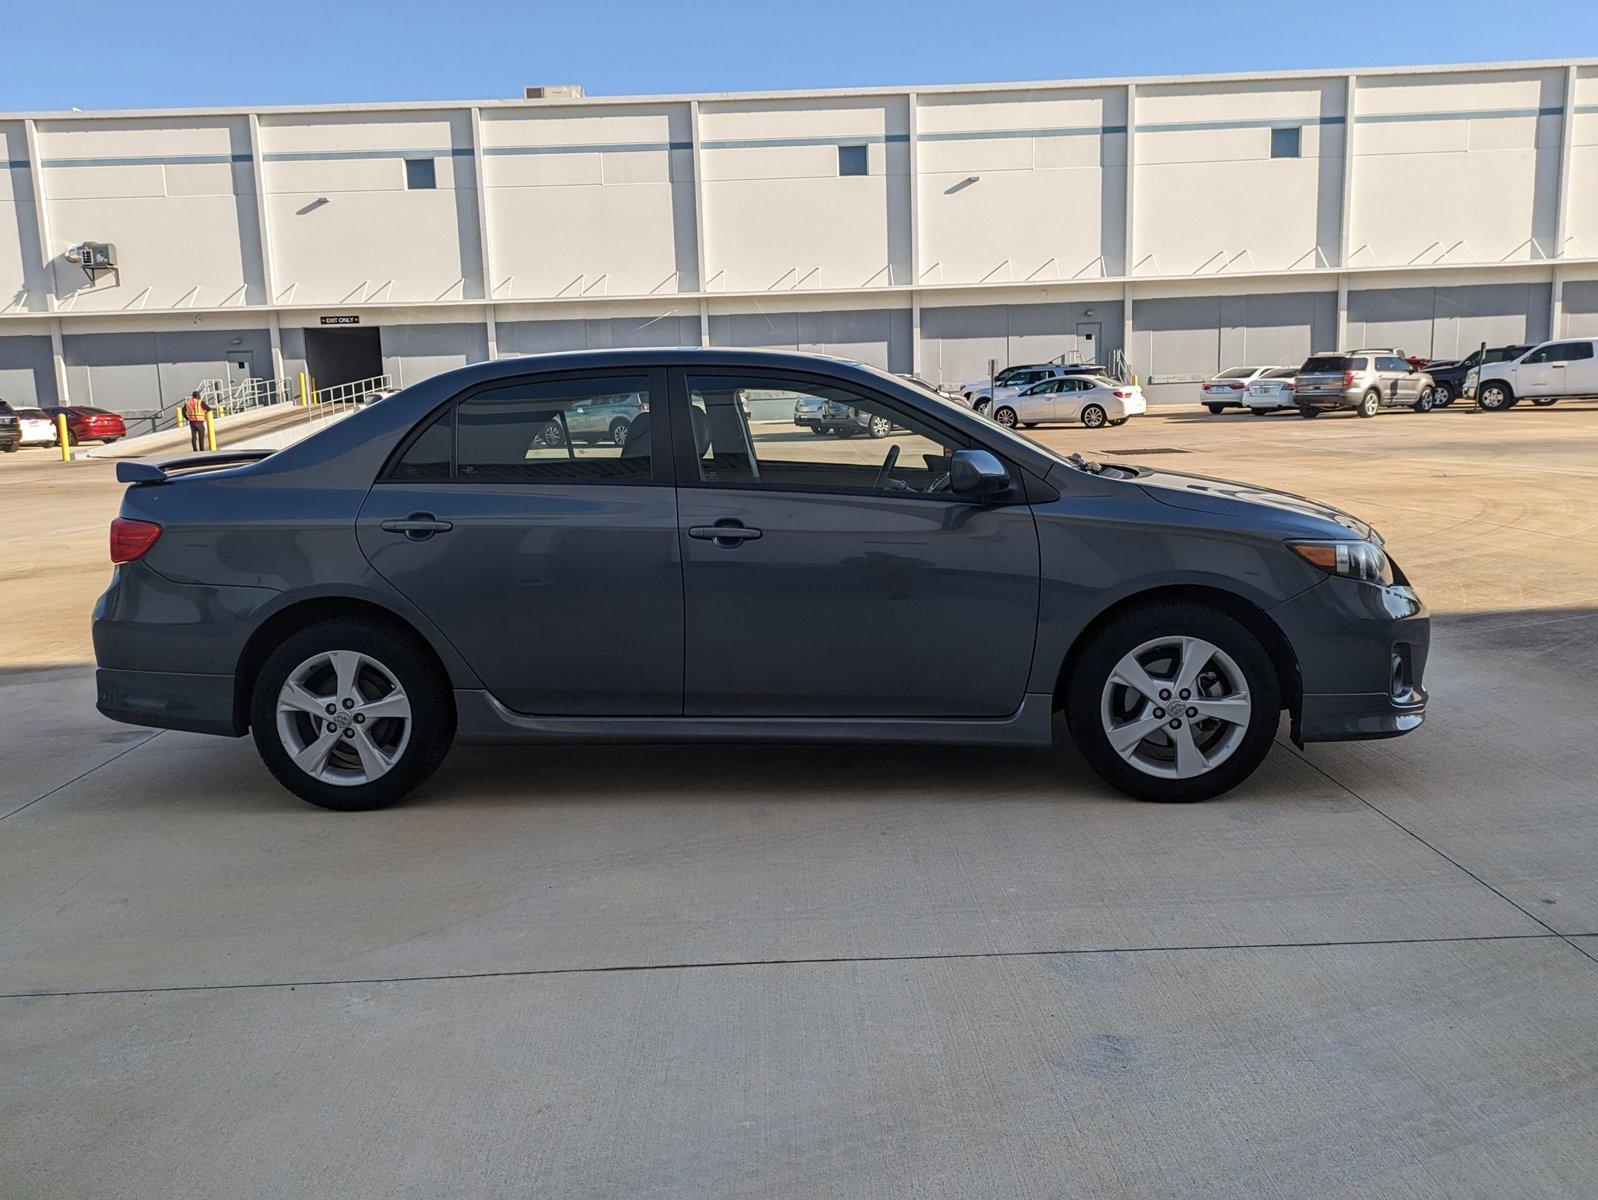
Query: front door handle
[(726, 533), (418, 526)]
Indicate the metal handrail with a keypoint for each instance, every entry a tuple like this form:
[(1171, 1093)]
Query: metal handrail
[(229, 396)]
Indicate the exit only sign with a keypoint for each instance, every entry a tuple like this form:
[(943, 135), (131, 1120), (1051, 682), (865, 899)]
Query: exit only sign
[(342, 319)]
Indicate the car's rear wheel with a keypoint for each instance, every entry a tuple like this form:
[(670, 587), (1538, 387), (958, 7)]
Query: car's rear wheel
[(880, 427), (818, 430), (1369, 403), (1094, 416), (1494, 397), (618, 431), (1005, 416), (1216, 409), (1309, 413), (351, 716), (1174, 701), (1545, 401)]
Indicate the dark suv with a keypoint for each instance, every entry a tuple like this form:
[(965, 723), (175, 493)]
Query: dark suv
[(10, 428), (1449, 377), (431, 569)]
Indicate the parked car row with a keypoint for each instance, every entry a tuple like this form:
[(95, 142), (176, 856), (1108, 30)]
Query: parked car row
[(1369, 379), (37, 426)]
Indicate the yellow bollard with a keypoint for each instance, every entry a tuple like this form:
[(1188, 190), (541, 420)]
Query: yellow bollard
[(314, 400), (210, 431), (179, 412), (304, 396), (66, 437)]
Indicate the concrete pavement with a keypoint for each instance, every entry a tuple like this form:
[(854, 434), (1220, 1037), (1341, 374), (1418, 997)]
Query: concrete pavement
[(824, 971)]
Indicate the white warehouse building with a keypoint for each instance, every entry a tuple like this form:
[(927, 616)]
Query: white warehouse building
[(1192, 223)]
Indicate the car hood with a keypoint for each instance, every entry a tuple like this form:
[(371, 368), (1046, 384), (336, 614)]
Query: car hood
[(1296, 515)]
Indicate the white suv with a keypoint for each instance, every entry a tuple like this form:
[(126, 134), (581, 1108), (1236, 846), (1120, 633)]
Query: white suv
[(1552, 371)]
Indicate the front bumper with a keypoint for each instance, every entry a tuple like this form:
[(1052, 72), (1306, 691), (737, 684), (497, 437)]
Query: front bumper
[(1361, 653)]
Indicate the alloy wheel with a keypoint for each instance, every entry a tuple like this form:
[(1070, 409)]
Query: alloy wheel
[(1005, 417), (343, 718), (1176, 707), (1093, 416)]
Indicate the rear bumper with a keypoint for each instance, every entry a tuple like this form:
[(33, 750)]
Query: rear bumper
[(1327, 401), (168, 700)]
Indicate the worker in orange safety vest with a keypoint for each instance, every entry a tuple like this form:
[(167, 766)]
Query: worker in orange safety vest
[(194, 410)]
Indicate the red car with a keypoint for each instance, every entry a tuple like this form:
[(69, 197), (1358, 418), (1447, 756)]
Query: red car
[(90, 424)]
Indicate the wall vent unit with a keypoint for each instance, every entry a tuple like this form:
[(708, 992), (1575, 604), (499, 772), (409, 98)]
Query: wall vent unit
[(553, 91)]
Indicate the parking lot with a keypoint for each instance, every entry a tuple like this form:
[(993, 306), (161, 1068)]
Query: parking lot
[(831, 970)]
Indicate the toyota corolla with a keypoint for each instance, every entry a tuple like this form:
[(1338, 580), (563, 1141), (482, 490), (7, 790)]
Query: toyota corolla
[(452, 565)]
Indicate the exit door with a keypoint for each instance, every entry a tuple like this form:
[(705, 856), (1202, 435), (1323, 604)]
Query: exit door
[(1087, 341)]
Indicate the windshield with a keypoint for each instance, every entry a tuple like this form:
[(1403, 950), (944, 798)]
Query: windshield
[(1236, 373)]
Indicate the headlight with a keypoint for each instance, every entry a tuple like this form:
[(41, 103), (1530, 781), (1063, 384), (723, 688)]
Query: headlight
[(1471, 376), (1365, 561)]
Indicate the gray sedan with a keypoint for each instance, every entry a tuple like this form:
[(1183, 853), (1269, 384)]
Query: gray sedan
[(431, 570)]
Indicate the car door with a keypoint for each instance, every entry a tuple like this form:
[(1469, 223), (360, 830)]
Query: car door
[(829, 578), (1542, 372), (1581, 370), (1040, 402), (551, 564), (1068, 404)]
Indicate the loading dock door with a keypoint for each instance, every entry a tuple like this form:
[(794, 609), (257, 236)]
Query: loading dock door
[(335, 356)]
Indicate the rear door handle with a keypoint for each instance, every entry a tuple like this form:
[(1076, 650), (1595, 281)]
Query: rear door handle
[(726, 534), (418, 526)]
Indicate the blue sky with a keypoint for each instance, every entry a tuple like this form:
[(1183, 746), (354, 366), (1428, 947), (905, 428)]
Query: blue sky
[(136, 54)]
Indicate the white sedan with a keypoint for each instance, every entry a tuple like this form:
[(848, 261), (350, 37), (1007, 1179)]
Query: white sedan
[(37, 429), (1272, 391), (1095, 401)]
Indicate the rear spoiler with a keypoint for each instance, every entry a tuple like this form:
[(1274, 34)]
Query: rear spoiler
[(144, 472)]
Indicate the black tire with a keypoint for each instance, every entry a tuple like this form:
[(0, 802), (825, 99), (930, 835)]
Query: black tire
[(1442, 396), (879, 427), (1105, 649), (1260, 412), (1494, 396), (1029, 424), (432, 712), (618, 431), (1309, 413), (1369, 404), (1216, 409), (1424, 402), (1005, 415), (1120, 421), (1545, 401), (1094, 416), (10, 447), (818, 430)]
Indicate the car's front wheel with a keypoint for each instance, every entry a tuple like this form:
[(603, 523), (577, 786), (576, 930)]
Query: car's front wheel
[(351, 716), (1173, 701), (1494, 397), (1005, 416), (1442, 395), (1424, 402)]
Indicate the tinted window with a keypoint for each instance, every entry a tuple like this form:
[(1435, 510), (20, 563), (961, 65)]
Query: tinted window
[(534, 431), (420, 173), (1282, 373), (1331, 364), (1285, 143), (1579, 350), (852, 160), (1236, 373), (868, 446), (1388, 363), (428, 457)]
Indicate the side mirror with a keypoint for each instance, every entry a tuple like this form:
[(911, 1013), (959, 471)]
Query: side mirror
[(977, 475)]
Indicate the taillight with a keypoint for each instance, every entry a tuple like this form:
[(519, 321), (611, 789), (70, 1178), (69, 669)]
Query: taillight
[(1123, 395), (132, 539), (1288, 387), (1236, 387), (1348, 379)]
